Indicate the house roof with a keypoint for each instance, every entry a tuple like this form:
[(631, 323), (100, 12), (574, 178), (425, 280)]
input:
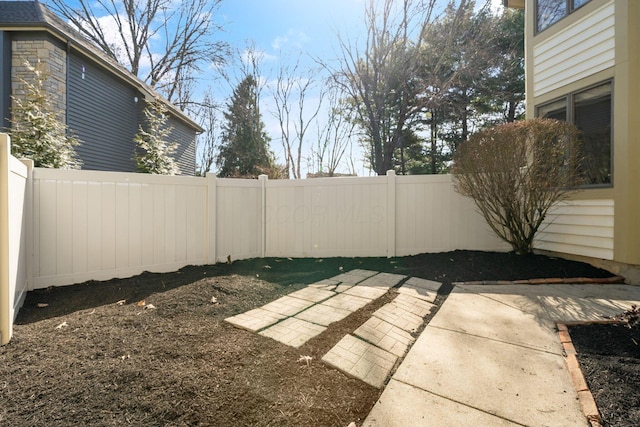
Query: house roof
[(33, 15)]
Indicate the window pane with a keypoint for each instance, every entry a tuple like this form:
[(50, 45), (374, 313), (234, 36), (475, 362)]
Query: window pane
[(593, 117), (555, 110), (550, 11), (578, 3)]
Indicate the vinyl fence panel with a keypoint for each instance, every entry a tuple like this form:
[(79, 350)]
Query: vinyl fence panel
[(239, 218), (433, 217), (327, 217), (98, 225)]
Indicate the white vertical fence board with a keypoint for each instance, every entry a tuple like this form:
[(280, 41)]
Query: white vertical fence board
[(108, 226), (135, 224), (147, 225), (80, 227), (64, 216), (181, 224), (158, 224), (48, 228), (122, 225), (94, 231)]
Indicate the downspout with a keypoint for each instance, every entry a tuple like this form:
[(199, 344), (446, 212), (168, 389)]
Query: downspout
[(66, 85)]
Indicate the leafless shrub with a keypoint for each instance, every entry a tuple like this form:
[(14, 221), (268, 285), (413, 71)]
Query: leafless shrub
[(516, 172)]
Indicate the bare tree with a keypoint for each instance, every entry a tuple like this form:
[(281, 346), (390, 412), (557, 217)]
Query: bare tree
[(290, 92), (208, 141), (385, 78), (334, 138), (161, 41)]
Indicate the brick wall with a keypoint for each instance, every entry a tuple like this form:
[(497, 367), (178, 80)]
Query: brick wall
[(46, 57)]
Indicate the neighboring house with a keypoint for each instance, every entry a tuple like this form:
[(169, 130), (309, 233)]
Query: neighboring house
[(101, 102), (583, 65)]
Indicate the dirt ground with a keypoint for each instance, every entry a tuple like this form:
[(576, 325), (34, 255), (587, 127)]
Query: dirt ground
[(610, 359), (91, 354)]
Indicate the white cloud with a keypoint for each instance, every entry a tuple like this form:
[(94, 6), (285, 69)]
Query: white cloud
[(294, 38)]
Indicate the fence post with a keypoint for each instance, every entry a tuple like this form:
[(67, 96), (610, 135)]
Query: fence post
[(212, 207), (30, 260), (391, 213), (263, 232), (5, 286)]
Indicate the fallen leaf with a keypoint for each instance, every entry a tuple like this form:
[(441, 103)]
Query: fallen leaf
[(121, 302), (149, 307), (306, 359), (140, 303), (42, 305), (62, 325)]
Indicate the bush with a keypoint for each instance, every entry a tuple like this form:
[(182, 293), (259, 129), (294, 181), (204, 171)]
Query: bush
[(516, 172), (155, 152), (37, 133)]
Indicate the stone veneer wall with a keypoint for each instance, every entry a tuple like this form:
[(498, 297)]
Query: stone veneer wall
[(46, 57)]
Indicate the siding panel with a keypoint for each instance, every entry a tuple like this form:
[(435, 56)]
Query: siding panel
[(580, 50), (102, 112), (185, 154), (581, 227)]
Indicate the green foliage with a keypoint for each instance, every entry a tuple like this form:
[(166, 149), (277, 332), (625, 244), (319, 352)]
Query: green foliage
[(515, 172), (244, 148), (155, 152), (36, 131)]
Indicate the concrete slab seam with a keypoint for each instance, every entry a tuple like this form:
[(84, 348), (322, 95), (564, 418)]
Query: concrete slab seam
[(461, 403), (548, 281), (539, 350)]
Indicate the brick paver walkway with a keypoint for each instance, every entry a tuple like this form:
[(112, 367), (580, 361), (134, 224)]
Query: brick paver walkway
[(374, 348)]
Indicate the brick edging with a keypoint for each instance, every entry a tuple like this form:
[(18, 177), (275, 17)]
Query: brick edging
[(551, 281), (587, 402)]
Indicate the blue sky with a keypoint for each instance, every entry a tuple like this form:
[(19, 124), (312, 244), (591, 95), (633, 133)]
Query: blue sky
[(284, 29)]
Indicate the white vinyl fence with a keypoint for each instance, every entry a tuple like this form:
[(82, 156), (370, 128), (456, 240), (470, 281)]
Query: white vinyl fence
[(99, 225), (14, 217), (59, 227)]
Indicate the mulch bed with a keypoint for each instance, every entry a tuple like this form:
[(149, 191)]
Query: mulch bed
[(609, 356), (87, 358)]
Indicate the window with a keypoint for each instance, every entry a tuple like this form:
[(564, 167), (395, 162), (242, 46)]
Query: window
[(590, 111), (549, 12)]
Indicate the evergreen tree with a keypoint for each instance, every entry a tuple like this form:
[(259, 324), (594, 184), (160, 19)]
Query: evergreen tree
[(155, 153), (244, 144), (36, 131)]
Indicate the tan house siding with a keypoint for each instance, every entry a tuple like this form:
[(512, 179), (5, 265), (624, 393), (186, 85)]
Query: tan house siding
[(580, 227), (598, 42), (577, 51), (46, 57), (627, 132)]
